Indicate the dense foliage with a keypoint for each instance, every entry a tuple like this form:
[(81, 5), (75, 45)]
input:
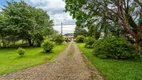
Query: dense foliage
[(20, 21), (79, 31), (47, 45), (80, 39), (89, 42), (116, 48), (114, 69), (21, 51), (59, 39), (110, 17)]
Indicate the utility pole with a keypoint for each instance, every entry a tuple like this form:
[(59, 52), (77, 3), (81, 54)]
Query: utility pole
[(62, 28)]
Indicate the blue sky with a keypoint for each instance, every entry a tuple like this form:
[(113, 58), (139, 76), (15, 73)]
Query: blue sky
[(2, 2), (55, 10)]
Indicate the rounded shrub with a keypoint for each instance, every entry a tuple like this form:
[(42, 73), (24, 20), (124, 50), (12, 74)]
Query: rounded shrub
[(59, 39), (89, 41), (21, 51), (115, 48), (47, 45), (80, 39)]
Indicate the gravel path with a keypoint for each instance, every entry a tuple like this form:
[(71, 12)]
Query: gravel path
[(70, 64)]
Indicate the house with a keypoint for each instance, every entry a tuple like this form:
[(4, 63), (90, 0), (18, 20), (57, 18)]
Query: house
[(68, 36)]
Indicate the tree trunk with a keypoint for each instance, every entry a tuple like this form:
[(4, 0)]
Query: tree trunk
[(138, 45), (135, 33), (30, 42), (33, 42), (22, 41), (38, 44), (14, 43)]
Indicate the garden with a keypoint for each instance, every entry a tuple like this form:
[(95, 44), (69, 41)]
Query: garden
[(108, 32), (27, 37), (115, 58)]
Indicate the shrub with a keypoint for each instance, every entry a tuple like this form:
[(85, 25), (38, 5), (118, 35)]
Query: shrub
[(21, 51), (47, 45), (79, 39), (116, 48), (59, 39), (89, 41)]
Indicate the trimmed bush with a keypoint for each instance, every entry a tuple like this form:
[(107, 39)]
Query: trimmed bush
[(89, 41), (80, 39), (59, 39), (47, 45), (21, 51), (115, 48)]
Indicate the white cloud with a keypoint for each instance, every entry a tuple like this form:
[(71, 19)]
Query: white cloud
[(62, 18), (55, 9), (0, 9), (51, 4)]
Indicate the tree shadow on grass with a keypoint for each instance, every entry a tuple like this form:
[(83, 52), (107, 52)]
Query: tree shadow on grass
[(43, 52), (20, 57)]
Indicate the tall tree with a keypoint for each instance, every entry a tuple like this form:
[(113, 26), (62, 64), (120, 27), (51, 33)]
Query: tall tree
[(127, 14), (18, 20)]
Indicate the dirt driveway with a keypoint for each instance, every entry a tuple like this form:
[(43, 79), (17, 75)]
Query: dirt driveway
[(68, 65)]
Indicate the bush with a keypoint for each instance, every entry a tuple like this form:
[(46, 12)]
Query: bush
[(59, 39), (116, 48), (89, 41), (79, 39), (47, 45), (21, 51)]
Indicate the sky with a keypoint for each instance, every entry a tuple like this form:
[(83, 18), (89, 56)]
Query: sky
[(55, 9)]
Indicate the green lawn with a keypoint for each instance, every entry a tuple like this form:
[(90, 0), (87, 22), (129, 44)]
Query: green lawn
[(115, 69), (10, 60)]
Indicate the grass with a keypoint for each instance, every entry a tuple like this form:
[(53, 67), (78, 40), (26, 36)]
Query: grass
[(115, 69), (11, 61)]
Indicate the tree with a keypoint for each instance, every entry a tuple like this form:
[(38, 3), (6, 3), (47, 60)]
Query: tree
[(79, 31), (20, 21), (127, 14)]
